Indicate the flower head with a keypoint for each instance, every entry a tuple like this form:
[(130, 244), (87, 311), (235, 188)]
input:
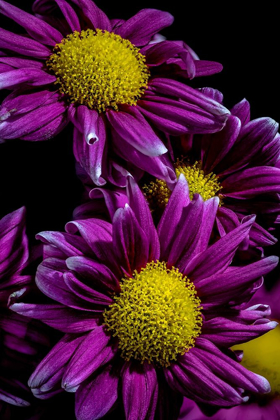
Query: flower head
[(149, 314), (239, 165), (115, 80)]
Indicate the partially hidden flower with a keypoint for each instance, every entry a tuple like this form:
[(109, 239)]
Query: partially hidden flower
[(148, 314), (261, 355), (21, 338), (239, 165), (115, 80)]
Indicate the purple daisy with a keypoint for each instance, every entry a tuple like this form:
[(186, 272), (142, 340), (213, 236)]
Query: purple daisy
[(114, 79), (149, 314), (261, 356), (239, 165)]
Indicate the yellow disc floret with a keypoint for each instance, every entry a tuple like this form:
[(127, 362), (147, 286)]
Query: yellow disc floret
[(156, 316), (262, 357), (99, 69), (207, 186)]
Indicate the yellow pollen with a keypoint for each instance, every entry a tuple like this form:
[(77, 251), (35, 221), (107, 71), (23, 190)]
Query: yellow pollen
[(207, 186), (262, 357), (156, 316), (99, 69)]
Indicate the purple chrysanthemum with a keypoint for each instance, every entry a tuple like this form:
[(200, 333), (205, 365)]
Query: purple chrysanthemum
[(20, 338), (114, 79), (149, 314), (261, 356), (238, 164)]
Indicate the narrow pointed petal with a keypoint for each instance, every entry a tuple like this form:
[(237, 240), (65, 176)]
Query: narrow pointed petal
[(135, 130), (93, 352), (23, 45), (140, 391), (129, 240), (95, 397), (140, 28), (35, 27), (96, 16)]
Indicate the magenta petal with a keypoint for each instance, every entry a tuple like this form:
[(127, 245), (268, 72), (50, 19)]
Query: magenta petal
[(95, 397), (172, 215), (57, 316), (215, 147), (224, 285), (35, 27), (27, 124), (225, 332), (228, 369), (142, 212), (140, 28), (242, 111), (251, 182), (113, 199), (49, 372), (49, 130), (207, 68), (70, 15), (86, 121), (89, 149), (95, 15), (93, 352), (30, 77), (97, 275), (218, 256), (68, 244), (23, 45), (136, 131), (140, 391), (13, 241), (80, 290), (129, 240)]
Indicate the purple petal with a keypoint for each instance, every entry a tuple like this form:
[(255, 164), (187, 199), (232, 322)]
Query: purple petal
[(18, 62), (30, 77), (23, 45), (70, 245), (96, 275), (218, 256), (95, 397), (140, 28), (215, 147), (90, 154), (172, 215), (139, 390), (13, 241), (70, 15), (134, 129), (113, 200), (158, 166), (225, 285), (225, 332), (207, 68), (95, 15), (49, 372), (93, 352), (251, 182), (36, 28), (242, 111), (38, 120), (129, 240), (57, 316), (142, 212)]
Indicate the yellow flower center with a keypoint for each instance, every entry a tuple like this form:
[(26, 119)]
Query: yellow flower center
[(207, 186), (262, 357), (99, 69), (156, 316)]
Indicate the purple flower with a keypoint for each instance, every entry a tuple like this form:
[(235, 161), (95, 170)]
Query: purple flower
[(148, 314), (239, 165), (115, 80), (261, 356), (20, 338)]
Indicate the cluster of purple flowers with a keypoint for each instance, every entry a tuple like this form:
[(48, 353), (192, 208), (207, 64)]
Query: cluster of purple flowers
[(152, 303)]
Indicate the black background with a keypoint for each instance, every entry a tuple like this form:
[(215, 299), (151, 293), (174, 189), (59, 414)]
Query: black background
[(41, 175)]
